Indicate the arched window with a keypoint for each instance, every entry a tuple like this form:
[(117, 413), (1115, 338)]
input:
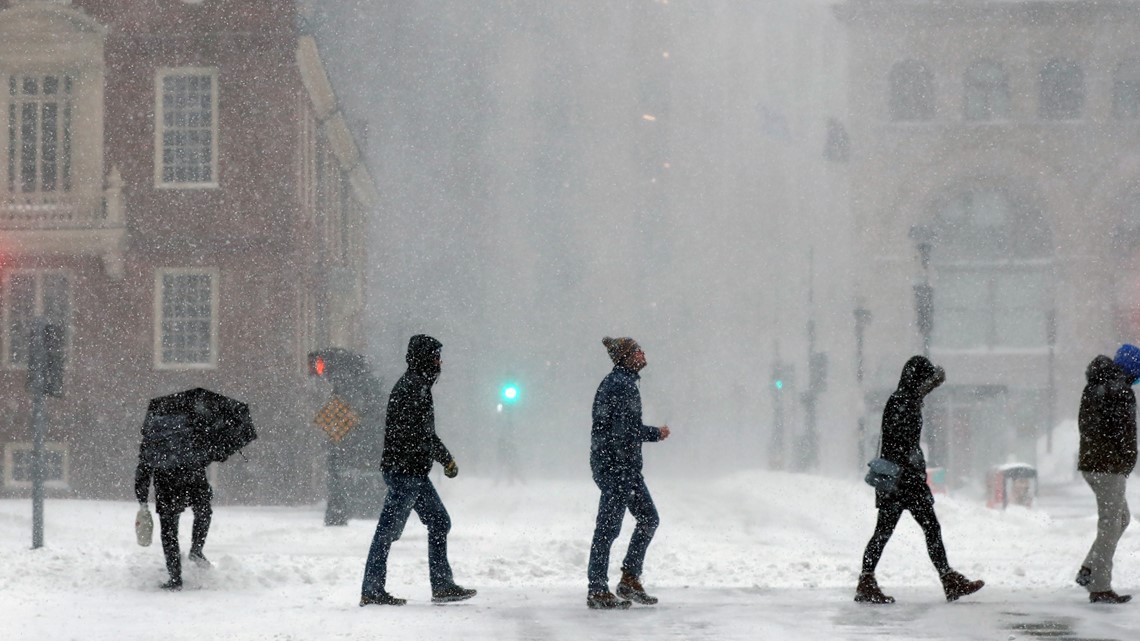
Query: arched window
[(1061, 94), (986, 92), (1126, 90), (912, 91), (991, 261)]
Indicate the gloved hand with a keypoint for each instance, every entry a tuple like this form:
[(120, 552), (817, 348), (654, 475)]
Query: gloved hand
[(451, 469)]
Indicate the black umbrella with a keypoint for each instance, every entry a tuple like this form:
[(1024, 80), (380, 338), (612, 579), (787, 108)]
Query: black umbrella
[(196, 426)]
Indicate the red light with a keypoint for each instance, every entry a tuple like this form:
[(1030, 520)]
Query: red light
[(319, 366)]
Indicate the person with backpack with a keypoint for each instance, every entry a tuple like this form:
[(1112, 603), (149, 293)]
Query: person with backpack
[(615, 462), (1107, 425), (179, 483), (902, 430)]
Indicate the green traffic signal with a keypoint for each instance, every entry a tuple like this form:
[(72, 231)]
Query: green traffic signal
[(779, 384), (510, 393)]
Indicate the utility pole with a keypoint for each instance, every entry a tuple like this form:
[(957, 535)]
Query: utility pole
[(808, 451), (862, 319), (45, 378)]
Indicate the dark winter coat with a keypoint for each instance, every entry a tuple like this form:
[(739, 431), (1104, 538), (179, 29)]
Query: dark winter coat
[(1107, 420), (410, 441), (617, 432), (902, 430), (174, 489)]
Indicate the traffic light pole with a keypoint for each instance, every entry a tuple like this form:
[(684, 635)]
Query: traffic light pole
[(37, 384)]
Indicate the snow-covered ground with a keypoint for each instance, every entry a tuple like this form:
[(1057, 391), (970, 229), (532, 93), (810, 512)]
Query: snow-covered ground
[(750, 555)]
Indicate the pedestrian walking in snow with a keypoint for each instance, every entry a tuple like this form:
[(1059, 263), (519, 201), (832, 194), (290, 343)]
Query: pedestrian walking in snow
[(410, 447), (1107, 424), (902, 429), (175, 489), (615, 461)]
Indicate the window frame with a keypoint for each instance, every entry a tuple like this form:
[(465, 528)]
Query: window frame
[(6, 361), (62, 483), (215, 285), (159, 129), (1058, 81), (992, 94), (64, 98)]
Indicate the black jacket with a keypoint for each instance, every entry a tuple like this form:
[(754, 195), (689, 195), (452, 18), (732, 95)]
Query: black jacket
[(174, 489), (902, 426), (410, 441), (1107, 420)]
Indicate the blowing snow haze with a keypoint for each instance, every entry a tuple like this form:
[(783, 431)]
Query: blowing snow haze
[(553, 173)]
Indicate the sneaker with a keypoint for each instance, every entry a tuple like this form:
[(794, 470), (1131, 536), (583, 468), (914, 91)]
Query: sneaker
[(605, 601), (956, 586), (1084, 576), (381, 599), (172, 586), (200, 560), (868, 591), (1108, 596), (451, 594), (629, 588)]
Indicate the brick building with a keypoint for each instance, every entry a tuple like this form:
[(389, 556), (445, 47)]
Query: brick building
[(179, 190)]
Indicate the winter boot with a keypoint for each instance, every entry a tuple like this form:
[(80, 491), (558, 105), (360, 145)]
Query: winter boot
[(605, 601), (381, 599), (451, 593), (1084, 576), (1109, 596), (868, 591), (955, 585), (199, 559), (173, 585), (629, 588)]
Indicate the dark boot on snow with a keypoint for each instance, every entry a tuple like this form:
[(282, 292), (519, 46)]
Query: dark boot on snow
[(956, 586), (200, 559), (630, 589), (1108, 596), (868, 591), (451, 593), (605, 601), (173, 585), (381, 599)]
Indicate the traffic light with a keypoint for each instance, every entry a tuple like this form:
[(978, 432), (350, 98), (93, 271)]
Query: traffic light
[(510, 393)]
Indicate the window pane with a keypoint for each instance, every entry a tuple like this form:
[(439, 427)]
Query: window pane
[(188, 129), (961, 310), (186, 318), (1019, 309)]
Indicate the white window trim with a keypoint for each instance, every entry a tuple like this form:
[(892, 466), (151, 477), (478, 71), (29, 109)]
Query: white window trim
[(5, 338), (215, 286), (54, 484), (162, 73)]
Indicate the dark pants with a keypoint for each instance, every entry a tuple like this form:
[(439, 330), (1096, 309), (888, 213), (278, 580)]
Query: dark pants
[(168, 526), (407, 493), (889, 515), (618, 494)]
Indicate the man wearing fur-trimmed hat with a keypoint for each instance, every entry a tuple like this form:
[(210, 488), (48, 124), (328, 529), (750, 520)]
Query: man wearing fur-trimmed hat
[(1107, 423), (615, 460)]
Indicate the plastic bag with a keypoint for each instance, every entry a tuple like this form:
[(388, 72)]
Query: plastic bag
[(144, 526)]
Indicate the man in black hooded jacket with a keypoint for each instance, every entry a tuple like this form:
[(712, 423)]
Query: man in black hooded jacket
[(902, 430), (410, 447), (1107, 423)]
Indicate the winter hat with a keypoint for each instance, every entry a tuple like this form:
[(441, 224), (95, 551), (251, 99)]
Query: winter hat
[(620, 348), (1128, 358)]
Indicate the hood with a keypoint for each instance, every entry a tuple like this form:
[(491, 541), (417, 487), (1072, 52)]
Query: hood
[(920, 376), (422, 353), (1102, 370)]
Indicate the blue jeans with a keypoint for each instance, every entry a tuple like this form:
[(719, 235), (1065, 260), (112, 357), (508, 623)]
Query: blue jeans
[(407, 493), (618, 494)]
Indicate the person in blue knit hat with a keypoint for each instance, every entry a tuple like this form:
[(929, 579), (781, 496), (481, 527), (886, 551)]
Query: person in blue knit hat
[(1107, 423)]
